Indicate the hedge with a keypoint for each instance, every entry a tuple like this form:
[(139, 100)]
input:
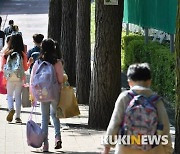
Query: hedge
[(161, 60)]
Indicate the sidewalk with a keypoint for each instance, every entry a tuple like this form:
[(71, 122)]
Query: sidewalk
[(76, 137)]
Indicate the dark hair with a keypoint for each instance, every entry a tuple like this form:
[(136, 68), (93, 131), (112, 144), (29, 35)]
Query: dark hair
[(8, 38), (139, 72), (48, 51), (11, 22), (15, 28), (0, 20), (15, 45), (38, 38)]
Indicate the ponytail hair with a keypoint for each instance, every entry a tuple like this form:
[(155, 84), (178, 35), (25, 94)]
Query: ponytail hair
[(48, 51)]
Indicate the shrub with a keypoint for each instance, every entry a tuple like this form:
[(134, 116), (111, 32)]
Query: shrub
[(161, 60)]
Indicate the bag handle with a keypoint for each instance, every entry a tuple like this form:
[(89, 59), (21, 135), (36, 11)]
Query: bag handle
[(33, 108)]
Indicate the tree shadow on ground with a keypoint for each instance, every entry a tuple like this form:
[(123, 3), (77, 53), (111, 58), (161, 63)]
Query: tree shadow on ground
[(35, 113)]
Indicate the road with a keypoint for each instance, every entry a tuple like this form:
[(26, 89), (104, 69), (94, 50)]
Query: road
[(30, 15)]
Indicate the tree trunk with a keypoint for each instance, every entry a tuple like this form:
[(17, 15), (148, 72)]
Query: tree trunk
[(54, 25), (68, 38), (177, 116), (83, 73), (106, 78)]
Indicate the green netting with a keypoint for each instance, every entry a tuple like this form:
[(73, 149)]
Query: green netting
[(158, 14)]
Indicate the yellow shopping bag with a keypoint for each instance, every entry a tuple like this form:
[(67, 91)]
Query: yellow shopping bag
[(68, 106)]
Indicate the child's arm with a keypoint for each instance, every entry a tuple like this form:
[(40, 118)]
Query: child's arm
[(34, 68), (118, 115), (163, 119), (106, 150), (59, 71), (26, 64), (3, 61), (116, 119)]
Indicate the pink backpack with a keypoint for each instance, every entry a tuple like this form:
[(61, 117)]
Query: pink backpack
[(140, 117), (44, 85)]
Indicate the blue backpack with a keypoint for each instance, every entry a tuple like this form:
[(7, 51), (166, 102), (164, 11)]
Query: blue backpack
[(13, 69)]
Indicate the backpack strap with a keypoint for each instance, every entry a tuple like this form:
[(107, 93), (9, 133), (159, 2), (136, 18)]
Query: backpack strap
[(154, 99), (132, 93)]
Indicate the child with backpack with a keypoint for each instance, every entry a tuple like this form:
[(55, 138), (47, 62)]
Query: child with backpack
[(138, 112), (8, 30), (14, 63), (35, 51), (45, 85)]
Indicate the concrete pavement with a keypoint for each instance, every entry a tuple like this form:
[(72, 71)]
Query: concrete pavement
[(76, 137), (32, 17)]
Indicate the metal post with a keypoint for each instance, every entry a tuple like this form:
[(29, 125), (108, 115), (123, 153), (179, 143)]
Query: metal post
[(127, 29), (172, 42), (146, 35)]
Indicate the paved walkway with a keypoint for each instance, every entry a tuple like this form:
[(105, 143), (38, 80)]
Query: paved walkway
[(32, 17), (76, 137)]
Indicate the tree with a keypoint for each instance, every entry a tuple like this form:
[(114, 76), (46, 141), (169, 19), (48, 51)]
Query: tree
[(54, 25), (83, 73), (68, 38), (177, 115), (106, 77)]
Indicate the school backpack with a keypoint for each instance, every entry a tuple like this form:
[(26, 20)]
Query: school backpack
[(13, 69), (44, 83), (140, 117), (8, 30)]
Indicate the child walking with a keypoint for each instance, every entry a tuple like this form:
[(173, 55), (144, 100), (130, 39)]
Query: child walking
[(14, 63), (49, 54), (35, 51), (139, 79)]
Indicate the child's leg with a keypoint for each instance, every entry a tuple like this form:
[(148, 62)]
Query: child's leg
[(45, 116), (44, 124), (10, 91), (56, 126), (55, 119), (18, 91)]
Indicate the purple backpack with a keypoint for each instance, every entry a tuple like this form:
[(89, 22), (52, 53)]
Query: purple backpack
[(140, 117), (34, 133), (45, 86)]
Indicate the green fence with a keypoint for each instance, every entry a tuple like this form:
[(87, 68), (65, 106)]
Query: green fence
[(157, 14)]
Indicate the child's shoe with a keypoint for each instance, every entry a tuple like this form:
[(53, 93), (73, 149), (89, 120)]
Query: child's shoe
[(9, 117), (46, 146), (58, 143), (18, 121)]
